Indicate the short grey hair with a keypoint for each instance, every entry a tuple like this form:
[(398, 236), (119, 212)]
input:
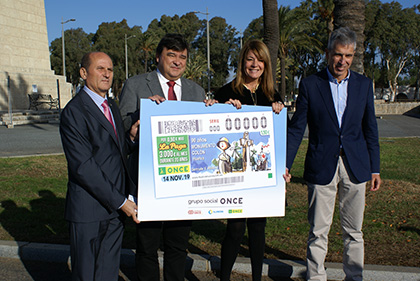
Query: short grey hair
[(343, 36)]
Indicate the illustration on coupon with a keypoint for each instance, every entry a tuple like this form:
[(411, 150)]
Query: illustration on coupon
[(213, 153)]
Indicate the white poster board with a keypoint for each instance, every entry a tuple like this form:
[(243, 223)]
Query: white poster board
[(198, 162)]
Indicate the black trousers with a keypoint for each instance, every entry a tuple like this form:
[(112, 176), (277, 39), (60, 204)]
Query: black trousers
[(230, 247), (175, 242), (95, 250)]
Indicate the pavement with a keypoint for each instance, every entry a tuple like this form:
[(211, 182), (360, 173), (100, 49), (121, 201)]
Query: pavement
[(36, 257), (28, 140), (34, 261)]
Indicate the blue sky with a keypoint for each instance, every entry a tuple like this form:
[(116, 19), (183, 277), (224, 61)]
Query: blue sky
[(91, 13)]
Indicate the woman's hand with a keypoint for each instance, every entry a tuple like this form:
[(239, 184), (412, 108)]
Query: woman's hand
[(210, 102), (235, 103), (277, 106)]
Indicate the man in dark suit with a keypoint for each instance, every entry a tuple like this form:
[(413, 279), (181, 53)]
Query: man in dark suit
[(343, 153), (95, 146), (163, 84)]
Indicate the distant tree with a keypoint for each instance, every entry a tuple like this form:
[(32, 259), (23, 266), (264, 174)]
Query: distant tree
[(271, 32), (222, 42), (395, 32), (351, 14), (293, 25), (416, 53), (77, 43), (188, 25), (325, 11), (255, 29), (191, 26), (307, 59), (110, 38), (134, 50), (148, 44), (196, 67), (371, 67)]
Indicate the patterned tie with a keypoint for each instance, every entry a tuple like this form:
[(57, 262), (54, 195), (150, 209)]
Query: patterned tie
[(108, 116), (171, 92)]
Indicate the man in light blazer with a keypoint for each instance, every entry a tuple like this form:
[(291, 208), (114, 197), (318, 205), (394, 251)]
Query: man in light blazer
[(94, 143), (343, 153), (171, 58)]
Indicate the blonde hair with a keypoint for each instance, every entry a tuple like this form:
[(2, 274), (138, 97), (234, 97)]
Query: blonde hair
[(266, 80)]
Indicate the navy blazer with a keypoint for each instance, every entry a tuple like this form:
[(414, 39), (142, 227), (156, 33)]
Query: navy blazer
[(98, 181), (358, 135)]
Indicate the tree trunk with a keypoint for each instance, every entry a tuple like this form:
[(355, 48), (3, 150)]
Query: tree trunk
[(145, 61), (416, 93), (271, 32), (283, 77), (351, 13), (393, 78)]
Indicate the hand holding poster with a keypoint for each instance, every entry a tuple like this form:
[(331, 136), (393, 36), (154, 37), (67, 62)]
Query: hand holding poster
[(199, 162)]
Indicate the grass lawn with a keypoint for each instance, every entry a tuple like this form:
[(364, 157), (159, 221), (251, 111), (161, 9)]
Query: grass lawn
[(33, 196)]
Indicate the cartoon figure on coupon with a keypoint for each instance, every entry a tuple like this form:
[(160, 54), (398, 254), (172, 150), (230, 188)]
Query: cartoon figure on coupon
[(246, 144), (225, 166), (262, 161)]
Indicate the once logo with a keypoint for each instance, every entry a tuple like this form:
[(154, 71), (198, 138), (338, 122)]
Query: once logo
[(231, 201), (174, 170)]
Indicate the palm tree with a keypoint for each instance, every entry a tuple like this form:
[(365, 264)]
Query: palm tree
[(196, 67), (147, 45), (293, 27), (351, 13), (325, 9), (271, 31)]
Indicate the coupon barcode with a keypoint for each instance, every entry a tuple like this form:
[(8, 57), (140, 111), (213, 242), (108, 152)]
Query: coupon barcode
[(217, 181), (180, 126)]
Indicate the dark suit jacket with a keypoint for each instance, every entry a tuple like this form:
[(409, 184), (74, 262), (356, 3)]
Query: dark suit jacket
[(358, 135), (98, 177), (143, 86)]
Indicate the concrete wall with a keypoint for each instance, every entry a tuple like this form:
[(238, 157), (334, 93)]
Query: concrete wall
[(24, 54), (385, 108), (21, 85)]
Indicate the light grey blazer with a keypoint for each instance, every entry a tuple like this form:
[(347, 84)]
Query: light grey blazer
[(146, 85), (143, 86)]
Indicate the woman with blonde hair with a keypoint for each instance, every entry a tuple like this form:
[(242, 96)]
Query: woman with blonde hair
[(253, 85)]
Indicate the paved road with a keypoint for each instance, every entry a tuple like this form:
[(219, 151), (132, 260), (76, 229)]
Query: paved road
[(34, 139), (38, 139), (13, 269), (398, 126)]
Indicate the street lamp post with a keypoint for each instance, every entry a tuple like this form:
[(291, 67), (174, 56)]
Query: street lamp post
[(208, 46), (62, 38), (126, 57)]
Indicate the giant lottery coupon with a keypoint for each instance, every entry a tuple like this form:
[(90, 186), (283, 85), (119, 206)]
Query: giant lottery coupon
[(198, 162)]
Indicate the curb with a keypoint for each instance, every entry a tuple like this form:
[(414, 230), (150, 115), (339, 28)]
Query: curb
[(207, 263)]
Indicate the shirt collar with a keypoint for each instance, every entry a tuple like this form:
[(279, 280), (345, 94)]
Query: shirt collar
[(163, 78), (332, 79), (95, 97)]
